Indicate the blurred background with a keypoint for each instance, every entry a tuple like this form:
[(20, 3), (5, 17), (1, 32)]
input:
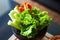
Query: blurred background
[(52, 6)]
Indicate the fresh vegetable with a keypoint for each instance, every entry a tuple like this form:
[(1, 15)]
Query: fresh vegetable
[(28, 20)]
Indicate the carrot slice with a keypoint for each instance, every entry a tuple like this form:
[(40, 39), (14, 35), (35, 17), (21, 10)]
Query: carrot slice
[(29, 6), (21, 9)]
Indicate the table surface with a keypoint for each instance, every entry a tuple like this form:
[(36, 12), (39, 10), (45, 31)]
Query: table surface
[(6, 32)]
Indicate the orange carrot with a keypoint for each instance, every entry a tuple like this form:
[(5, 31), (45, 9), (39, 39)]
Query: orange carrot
[(21, 9)]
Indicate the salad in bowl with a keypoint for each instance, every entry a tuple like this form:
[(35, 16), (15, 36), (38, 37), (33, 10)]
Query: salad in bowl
[(28, 22)]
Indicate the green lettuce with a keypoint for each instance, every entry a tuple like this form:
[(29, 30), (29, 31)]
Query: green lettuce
[(29, 21)]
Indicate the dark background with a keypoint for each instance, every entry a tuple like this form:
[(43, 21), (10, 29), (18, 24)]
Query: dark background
[(52, 4), (6, 32)]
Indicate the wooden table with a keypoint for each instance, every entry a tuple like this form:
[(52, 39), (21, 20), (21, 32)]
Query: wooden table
[(46, 37)]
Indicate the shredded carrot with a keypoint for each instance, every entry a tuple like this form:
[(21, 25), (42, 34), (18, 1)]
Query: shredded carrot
[(21, 9), (29, 6), (25, 3), (24, 6)]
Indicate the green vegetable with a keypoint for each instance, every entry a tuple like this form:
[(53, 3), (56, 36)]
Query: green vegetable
[(29, 21)]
